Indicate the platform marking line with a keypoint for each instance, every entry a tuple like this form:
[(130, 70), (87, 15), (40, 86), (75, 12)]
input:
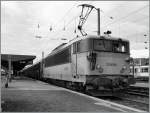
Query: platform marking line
[(108, 102), (32, 89), (109, 105)]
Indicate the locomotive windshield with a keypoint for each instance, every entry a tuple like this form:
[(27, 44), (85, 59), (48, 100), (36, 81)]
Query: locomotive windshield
[(116, 46), (111, 46)]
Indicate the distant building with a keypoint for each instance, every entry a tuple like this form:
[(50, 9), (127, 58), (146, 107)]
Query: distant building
[(141, 67)]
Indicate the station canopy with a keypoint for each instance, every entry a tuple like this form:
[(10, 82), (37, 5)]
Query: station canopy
[(18, 62)]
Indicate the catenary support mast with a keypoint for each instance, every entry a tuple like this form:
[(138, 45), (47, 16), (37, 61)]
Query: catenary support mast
[(98, 21)]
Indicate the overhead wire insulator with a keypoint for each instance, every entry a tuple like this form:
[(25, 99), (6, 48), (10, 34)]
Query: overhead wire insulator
[(50, 29), (38, 36), (64, 26), (75, 27), (38, 26), (79, 27)]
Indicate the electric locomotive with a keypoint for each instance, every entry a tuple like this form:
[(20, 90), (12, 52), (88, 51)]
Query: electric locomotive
[(91, 63)]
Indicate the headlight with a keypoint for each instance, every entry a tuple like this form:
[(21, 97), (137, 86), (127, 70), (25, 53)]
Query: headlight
[(99, 68), (124, 67)]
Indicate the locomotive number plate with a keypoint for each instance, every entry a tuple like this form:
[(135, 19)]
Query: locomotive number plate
[(111, 64)]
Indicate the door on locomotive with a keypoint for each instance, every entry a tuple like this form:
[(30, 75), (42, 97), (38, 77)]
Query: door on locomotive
[(79, 62), (74, 60)]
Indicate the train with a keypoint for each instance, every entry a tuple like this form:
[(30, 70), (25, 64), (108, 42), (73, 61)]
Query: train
[(89, 63), (141, 72)]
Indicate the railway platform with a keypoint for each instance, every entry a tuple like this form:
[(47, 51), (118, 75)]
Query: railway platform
[(28, 95)]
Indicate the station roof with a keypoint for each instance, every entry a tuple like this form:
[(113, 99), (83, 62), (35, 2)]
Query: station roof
[(18, 61)]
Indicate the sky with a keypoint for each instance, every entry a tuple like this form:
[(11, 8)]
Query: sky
[(22, 21)]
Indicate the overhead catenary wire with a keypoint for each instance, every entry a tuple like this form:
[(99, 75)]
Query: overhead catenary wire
[(75, 17), (102, 27), (62, 19), (69, 10), (122, 18), (110, 17), (60, 30), (66, 24)]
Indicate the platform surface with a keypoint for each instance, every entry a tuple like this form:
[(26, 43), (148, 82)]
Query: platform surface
[(28, 95)]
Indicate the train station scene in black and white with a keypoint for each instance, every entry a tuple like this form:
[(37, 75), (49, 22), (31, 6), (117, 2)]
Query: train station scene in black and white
[(75, 56)]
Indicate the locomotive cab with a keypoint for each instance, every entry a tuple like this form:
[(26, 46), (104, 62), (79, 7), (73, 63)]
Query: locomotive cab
[(100, 62)]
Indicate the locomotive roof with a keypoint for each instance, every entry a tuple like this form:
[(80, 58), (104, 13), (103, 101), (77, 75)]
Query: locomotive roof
[(64, 45), (99, 37)]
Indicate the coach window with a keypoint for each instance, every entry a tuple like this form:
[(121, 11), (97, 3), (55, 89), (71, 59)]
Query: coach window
[(135, 70), (131, 70), (78, 46), (144, 70), (74, 48)]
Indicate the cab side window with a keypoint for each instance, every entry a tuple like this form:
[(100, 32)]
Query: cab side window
[(78, 47)]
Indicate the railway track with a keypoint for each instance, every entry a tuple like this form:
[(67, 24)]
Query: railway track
[(133, 100), (142, 105), (130, 98), (137, 97), (138, 91)]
